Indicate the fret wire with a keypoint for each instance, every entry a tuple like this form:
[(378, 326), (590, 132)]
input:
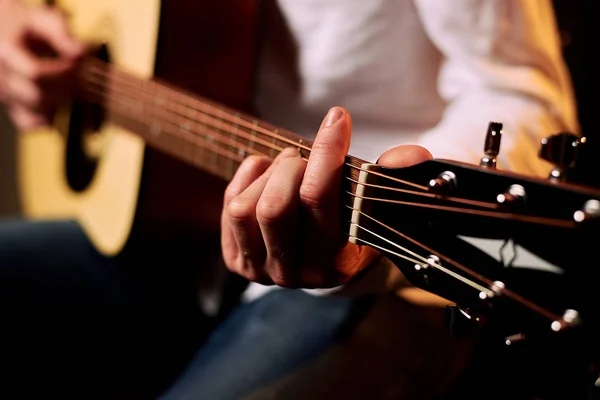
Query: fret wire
[(205, 131), (252, 139), (208, 120), (190, 101), (170, 141), (274, 141)]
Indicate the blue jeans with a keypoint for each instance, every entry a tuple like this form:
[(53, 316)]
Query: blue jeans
[(262, 341), (75, 324)]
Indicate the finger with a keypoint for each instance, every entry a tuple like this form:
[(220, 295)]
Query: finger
[(404, 156), (21, 91), (24, 119), (251, 169), (17, 60), (277, 215), (319, 192), (241, 211), (51, 25)]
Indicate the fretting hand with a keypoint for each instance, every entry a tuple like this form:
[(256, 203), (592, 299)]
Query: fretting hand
[(281, 219), (38, 56)]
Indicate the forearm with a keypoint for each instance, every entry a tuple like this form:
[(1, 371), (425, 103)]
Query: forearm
[(461, 132)]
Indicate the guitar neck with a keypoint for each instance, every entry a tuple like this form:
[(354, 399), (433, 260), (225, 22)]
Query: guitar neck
[(207, 135), (195, 130)]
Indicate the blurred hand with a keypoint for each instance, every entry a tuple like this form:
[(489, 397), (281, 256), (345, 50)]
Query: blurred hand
[(281, 219), (38, 56)]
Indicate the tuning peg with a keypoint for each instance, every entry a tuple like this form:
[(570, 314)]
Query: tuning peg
[(570, 319), (514, 197), (443, 184), (513, 339), (491, 147), (562, 150), (589, 212)]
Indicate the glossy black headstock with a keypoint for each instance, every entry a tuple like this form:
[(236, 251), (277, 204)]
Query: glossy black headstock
[(512, 251)]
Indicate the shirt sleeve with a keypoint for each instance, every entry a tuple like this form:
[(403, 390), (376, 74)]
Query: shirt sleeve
[(502, 62)]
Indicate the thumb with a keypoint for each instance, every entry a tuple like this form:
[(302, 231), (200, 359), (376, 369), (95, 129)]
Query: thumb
[(404, 156)]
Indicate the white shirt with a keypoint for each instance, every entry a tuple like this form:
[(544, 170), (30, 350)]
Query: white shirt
[(430, 72)]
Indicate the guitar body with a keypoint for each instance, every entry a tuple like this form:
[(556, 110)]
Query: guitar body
[(106, 178)]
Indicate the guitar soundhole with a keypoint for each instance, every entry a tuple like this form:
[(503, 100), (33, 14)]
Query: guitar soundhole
[(85, 143)]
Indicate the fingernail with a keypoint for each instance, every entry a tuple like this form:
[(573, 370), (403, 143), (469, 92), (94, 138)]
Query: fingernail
[(333, 116)]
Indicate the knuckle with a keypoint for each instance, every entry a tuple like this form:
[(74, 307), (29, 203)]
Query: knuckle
[(270, 209), (310, 196), (240, 210), (328, 147)]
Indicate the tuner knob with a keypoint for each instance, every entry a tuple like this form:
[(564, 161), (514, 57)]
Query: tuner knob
[(513, 197), (569, 319), (443, 184), (589, 212), (491, 147), (562, 150), (513, 339), (494, 291)]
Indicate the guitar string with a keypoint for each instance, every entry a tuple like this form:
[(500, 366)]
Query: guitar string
[(531, 219), (485, 290), (541, 220), (509, 293), (102, 85), (432, 195), (236, 118), (427, 261), (177, 96), (106, 71)]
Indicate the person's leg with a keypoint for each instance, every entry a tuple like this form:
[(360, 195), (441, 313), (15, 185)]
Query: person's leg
[(262, 341), (77, 324)]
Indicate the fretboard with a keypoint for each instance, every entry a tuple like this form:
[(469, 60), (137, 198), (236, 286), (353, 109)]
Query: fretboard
[(195, 130)]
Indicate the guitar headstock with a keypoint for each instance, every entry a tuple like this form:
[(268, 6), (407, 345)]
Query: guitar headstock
[(512, 251)]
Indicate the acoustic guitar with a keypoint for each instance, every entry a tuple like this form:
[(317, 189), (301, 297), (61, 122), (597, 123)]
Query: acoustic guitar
[(515, 253)]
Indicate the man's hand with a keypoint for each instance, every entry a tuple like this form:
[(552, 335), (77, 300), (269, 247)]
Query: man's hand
[(38, 56), (281, 219)]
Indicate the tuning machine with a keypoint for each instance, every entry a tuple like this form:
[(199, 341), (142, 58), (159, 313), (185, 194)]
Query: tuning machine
[(491, 147), (443, 184), (514, 197), (589, 212), (570, 319), (563, 150)]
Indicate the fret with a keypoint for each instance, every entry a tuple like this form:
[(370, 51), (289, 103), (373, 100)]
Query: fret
[(273, 152), (252, 140), (186, 127), (211, 157)]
